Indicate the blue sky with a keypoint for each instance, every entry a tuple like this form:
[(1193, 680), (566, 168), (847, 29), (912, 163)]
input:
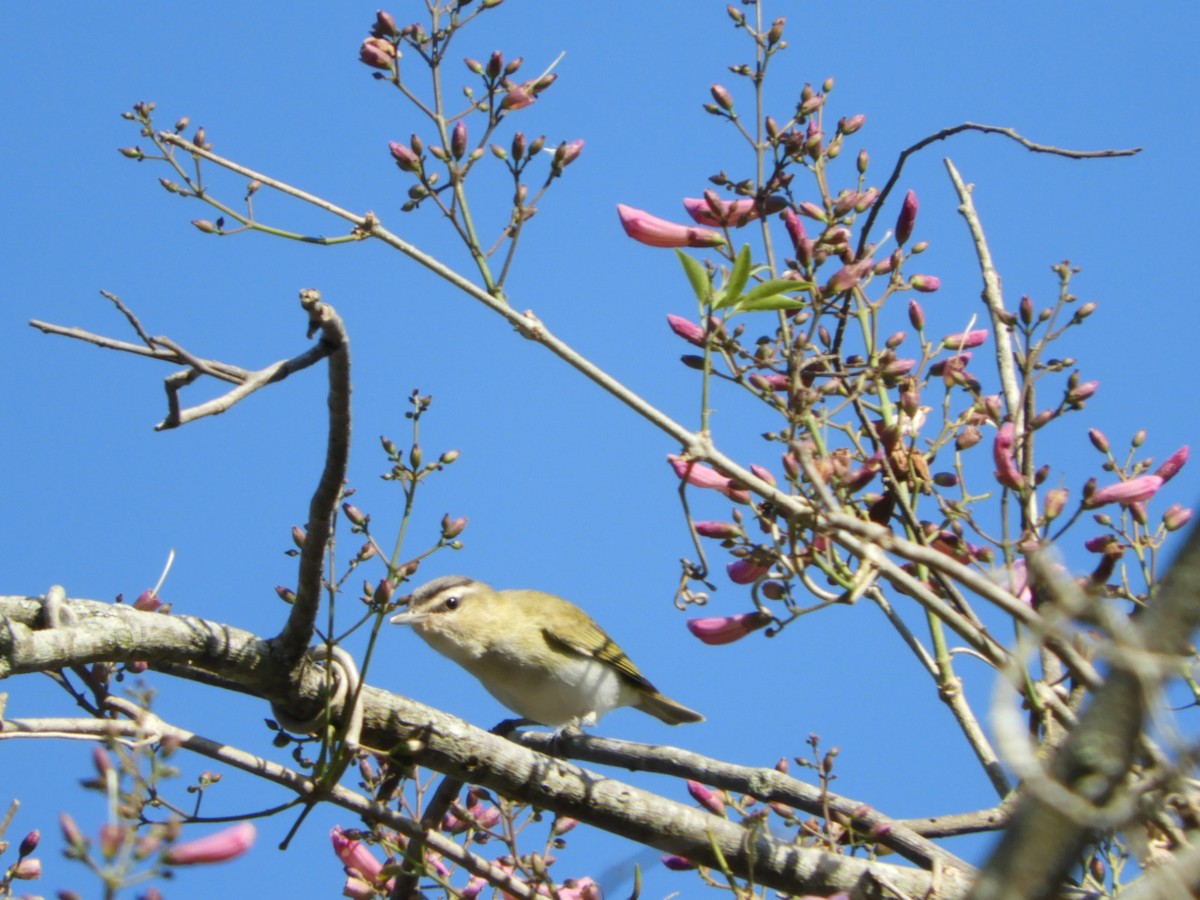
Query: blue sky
[(566, 491)]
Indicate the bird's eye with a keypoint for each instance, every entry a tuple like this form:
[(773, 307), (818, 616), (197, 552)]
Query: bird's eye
[(452, 603)]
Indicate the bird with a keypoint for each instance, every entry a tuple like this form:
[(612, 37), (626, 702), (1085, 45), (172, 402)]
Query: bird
[(540, 655)]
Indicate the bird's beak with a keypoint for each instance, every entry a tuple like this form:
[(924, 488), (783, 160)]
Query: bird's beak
[(407, 618)]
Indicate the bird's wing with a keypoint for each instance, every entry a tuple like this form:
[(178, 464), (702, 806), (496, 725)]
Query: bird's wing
[(593, 642)]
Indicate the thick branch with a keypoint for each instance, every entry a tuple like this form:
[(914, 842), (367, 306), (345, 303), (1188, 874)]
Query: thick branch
[(429, 738)]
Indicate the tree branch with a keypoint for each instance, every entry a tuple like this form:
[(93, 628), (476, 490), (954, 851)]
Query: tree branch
[(108, 633)]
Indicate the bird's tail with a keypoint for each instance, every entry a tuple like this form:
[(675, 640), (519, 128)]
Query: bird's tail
[(666, 709)]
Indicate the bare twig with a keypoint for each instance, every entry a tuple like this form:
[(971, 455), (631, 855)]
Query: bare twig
[(945, 133)]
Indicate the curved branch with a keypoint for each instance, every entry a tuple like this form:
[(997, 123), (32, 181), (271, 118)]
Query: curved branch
[(292, 642)]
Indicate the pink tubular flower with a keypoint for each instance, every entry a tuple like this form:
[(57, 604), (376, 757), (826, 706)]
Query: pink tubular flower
[(355, 856), (1173, 464), (222, 846), (1002, 453), (746, 571), (1135, 490), (723, 530), (907, 218), (698, 474), (686, 329), (702, 476), (965, 340), (727, 629), (656, 232), (735, 213)]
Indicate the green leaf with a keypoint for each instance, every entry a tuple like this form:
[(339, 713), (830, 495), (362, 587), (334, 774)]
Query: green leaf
[(697, 276), (773, 287), (738, 276), (773, 301)]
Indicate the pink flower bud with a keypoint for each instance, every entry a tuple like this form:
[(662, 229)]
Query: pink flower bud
[(71, 833), (746, 571), (1176, 517), (707, 797), (377, 53), (764, 474), (801, 242), (567, 153), (1173, 464), (1099, 441), (1082, 392), (385, 25), (28, 869), (1002, 454), (224, 845), (926, 284), (29, 843), (727, 629), (1135, 490), (965, 340), (147, 601), (452, 528), (678, 863), (848, 276), (959, 360), (852, 124), (656, 232), (812, 211), (686, 329), (769, 382), (907, 218), (578, 889), (734, 213), (1100, 543), (722, 96), (406, 160), (517, 98), (563, 824), (1056, 501), (458, 139), (916, 315)]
